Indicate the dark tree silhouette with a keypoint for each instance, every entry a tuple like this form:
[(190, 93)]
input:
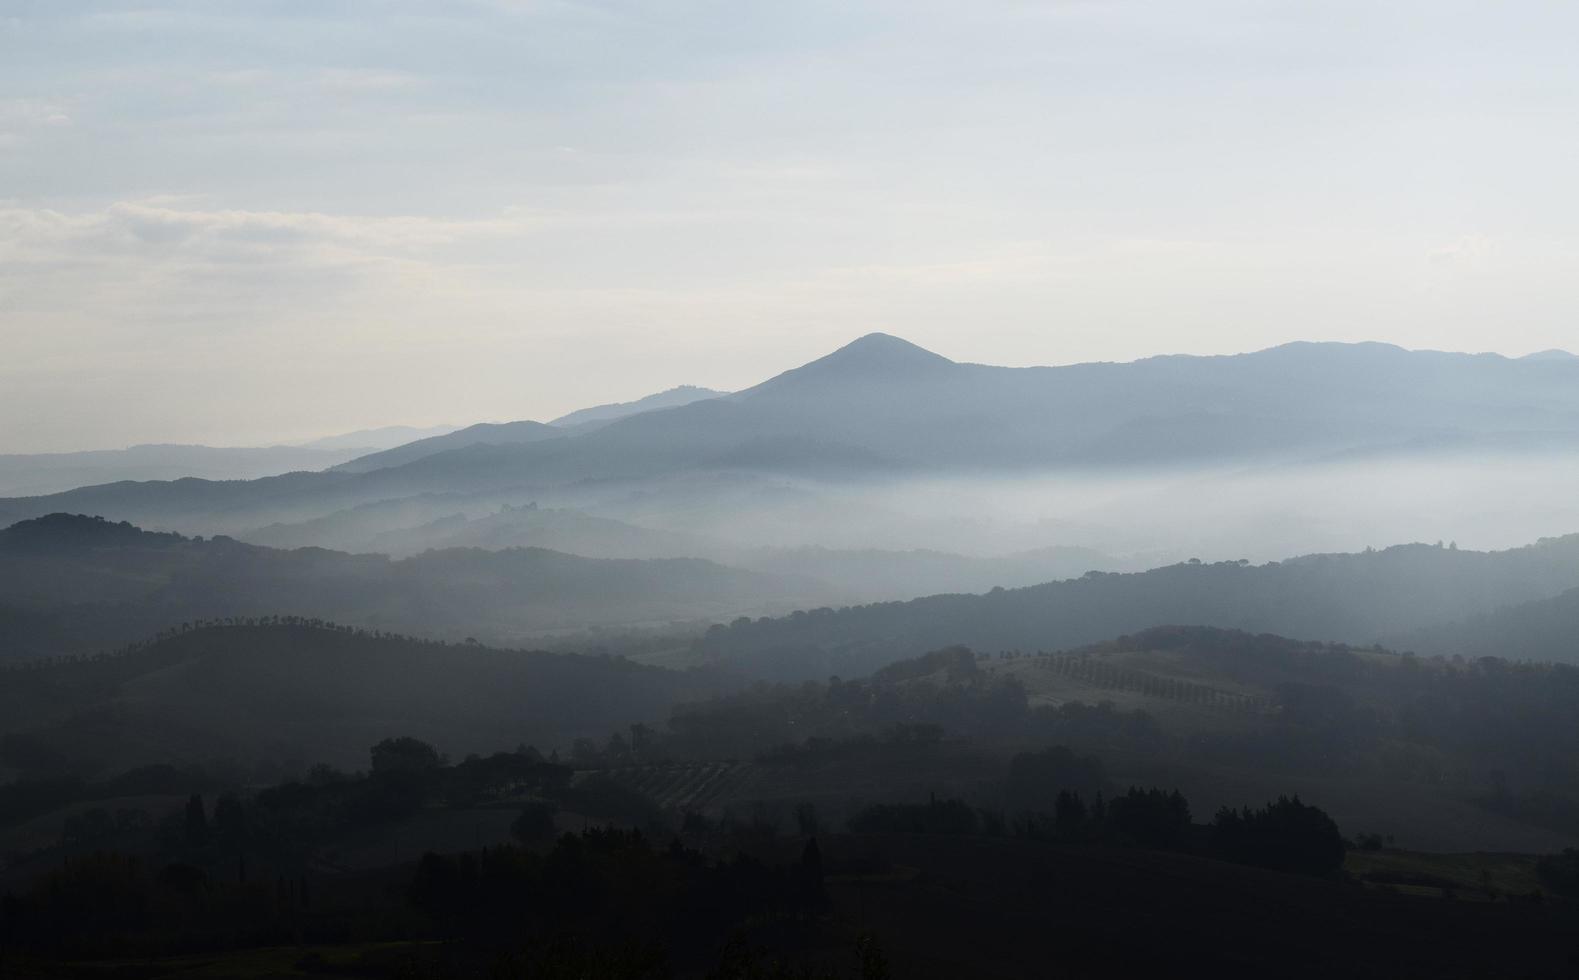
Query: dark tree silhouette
[(405, 754), (196, 822), (1286, 835)]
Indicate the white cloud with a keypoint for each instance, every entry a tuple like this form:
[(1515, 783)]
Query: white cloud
[(33, 113)]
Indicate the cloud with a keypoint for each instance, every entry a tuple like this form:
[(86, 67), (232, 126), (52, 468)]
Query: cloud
[(33, 113), (23, 119), (133, 230), (1464, 249), (141, 282)]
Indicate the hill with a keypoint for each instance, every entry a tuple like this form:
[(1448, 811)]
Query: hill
[(1445, 755), (298, 692), (872, 574), (432, 521), (1352, 598), (78, 584), (1542, 629)]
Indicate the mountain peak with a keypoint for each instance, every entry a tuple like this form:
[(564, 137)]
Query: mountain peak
[(883, 348), (876, 357)]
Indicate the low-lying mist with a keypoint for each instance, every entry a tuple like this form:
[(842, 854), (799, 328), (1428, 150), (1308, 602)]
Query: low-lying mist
[(1133, 517)]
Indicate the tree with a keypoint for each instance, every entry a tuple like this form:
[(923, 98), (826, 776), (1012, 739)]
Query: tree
[(405, 754), (812, 893), (1560, 872), (1284, 836), (196, 822), (870, 956), (1151, 817), (806, 819), (584, 753), (1036, 779), (1069, 814), (230, 823), (535, 822)]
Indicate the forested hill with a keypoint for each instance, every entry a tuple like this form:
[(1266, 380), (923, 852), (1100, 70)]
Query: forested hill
[(72, 532), (286, 689), (1543, 629), (1350, 598), (74, 584)]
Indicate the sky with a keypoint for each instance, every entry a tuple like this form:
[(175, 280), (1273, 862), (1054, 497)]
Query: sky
[(245, 222)]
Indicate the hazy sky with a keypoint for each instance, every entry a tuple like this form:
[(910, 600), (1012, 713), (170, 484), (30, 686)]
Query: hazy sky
[(247, 221)]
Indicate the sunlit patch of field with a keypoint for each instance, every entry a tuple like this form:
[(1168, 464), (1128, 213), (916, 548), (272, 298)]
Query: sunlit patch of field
[(1478, 876)]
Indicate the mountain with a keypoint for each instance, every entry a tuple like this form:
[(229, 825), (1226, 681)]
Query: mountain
[(384, 437), (72, 584), (483, 433), (1349, 598), (881, 409), (48, 473), (673, 398), (517, 433), (44, 473)]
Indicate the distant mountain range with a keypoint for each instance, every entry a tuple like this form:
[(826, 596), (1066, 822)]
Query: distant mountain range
[(483, 433), (383, 437), (883, 410), (673, 398), (31, 474), (521, 433)]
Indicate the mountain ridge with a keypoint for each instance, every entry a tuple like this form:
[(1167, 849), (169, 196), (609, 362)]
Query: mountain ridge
[(888, 401)]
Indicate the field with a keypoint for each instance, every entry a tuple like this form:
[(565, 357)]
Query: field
[(1476, 877)]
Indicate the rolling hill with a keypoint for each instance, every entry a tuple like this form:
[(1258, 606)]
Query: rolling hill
[(307, 692), (1541, 629), (71, 584), (1351, 598)]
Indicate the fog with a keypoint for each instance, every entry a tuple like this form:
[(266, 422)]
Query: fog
[(1133, 517)]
